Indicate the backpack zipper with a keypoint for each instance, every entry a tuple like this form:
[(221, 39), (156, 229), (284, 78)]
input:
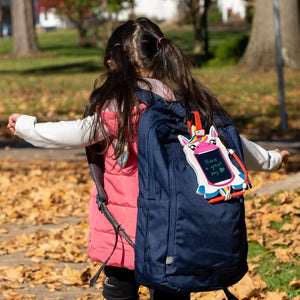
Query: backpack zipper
[(172, 216), (151, 195)]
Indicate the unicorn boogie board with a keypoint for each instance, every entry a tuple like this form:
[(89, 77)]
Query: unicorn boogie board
[(218, 179)]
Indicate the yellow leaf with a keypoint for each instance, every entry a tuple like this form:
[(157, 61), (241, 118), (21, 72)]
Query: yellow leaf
[(276, 296), (244, 289), (13, 273), (272, 217), (71, 276), (259, 283), (217, 295), (284, 255)]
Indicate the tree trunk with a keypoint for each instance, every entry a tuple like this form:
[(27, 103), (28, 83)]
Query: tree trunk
[(109, 25), (260, 53), (24, 35), (95, 29), (290, 33), (194, 6), (204, 26), (1, 13), (81, 33)]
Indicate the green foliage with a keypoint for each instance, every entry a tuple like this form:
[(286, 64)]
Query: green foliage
[(248, 197), (278, 275), (255, 249), (277, 225), (250, 11), (5, 46), (214, 16), (217, 38), (184, 38), (118, 5), (232, 50), (59, 53)]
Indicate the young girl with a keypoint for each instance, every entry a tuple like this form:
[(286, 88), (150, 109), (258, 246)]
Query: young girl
[(137, 56)]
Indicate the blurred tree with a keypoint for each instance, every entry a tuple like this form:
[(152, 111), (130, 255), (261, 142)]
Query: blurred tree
[(1, 13), (77, 11), (261, 51), (112, 8), (23, 27), (198, 16), (88, 14)]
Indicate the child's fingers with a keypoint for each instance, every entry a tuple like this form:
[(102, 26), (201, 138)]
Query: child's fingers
[(12, 122), (13, 118), (285, 156), (11, 128)]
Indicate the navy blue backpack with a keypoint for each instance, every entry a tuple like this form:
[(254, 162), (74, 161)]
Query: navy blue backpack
[(183, 242)]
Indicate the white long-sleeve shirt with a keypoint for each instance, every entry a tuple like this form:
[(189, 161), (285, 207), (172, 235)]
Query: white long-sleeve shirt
[(75, 134)]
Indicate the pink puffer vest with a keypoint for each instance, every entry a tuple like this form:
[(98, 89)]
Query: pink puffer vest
[(121, 186)]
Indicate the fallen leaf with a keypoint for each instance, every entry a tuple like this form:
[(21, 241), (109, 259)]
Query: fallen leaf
[(295, 283), (275, 296), (71, 276), (244, 289), (284, 255)]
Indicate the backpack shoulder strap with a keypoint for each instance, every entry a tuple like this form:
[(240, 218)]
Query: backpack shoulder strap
[(148, 97), (95, 161), (229, 295)]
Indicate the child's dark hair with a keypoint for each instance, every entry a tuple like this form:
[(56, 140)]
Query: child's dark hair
[(135, 47)]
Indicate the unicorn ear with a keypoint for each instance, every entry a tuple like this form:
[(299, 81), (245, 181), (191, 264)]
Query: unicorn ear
[(213, 132), (183, 140)]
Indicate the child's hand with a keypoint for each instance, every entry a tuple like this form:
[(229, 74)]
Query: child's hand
[(284, 155), (12, 120)]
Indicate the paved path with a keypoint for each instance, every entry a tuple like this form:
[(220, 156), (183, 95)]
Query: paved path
[(291, 145), (290, 183), (24, 151)]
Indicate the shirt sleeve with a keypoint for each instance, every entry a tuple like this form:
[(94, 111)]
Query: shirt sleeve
[(63, 134), (258, 159)]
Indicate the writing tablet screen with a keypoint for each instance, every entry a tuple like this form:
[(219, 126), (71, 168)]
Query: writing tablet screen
[(214, 166)]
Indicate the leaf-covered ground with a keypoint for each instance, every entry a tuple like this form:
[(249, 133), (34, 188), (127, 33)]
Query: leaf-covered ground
[(44, 232)]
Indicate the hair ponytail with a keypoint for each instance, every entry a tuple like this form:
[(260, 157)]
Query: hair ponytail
[(170, 65)]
